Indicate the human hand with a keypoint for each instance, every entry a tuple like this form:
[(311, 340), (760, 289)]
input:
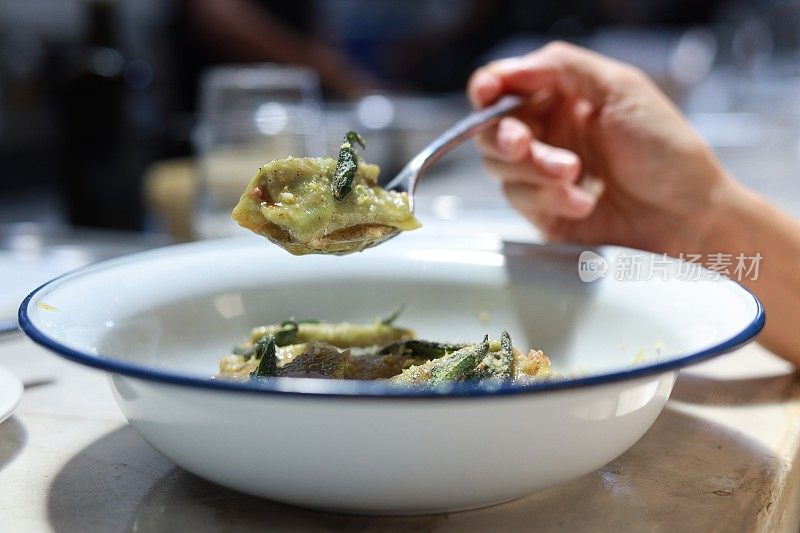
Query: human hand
[(599, 154)]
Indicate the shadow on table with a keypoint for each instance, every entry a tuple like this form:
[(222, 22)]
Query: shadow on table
[(12, 439), (714, 478), (702, 390)]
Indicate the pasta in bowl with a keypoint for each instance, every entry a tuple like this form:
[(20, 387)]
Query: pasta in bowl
[(381, 350)]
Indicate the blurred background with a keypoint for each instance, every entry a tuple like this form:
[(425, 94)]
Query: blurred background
[(108, 108), (144, 119)]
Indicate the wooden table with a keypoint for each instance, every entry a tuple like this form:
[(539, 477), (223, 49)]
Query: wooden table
[(723, 456)]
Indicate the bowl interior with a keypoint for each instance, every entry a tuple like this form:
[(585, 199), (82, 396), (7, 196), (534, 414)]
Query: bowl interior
[(180, 308)]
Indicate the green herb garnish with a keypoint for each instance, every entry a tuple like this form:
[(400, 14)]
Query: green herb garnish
[(394, 315), (422, 348), (460, 365), (346, 166), (268, 363)]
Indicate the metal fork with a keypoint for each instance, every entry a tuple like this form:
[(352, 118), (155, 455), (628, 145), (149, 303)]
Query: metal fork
[(406, 179)]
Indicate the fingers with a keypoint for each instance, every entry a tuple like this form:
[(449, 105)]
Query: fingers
[(543, 165), (555, 162), (561, 200), (540, 179), (512, 154), (563, 68), (509, 141)]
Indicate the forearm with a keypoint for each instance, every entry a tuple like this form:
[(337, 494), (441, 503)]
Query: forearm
[(243, 31), (240, 29), (749, 225)]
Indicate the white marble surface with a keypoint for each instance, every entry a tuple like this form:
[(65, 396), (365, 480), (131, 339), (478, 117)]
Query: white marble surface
[(724, 456)]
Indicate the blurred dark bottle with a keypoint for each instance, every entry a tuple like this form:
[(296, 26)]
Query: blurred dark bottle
[(101, 159)]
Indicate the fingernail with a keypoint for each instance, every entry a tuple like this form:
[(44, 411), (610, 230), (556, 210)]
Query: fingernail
[(508, 135), (557, 162), (511, 63), (581, 201), (487, 88)]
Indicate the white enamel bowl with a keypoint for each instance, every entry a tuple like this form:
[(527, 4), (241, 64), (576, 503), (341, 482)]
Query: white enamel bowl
[(158, 321)]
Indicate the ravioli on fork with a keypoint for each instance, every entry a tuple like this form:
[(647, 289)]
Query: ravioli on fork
[(321, 205)]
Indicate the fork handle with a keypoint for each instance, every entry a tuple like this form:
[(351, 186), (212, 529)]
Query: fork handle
[(458, 133)]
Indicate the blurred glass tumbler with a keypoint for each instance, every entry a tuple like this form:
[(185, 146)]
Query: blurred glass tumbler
[(250, 115)]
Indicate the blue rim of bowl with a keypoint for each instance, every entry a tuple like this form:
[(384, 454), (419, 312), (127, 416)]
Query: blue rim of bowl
[(325, 388)]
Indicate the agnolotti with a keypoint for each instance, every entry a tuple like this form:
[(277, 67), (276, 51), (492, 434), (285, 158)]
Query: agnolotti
[(320, 205)]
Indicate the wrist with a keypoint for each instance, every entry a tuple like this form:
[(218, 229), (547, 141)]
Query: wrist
[(733, 214)]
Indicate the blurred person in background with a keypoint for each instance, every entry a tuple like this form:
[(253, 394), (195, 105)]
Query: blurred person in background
[(243, 31), (356, 46)]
